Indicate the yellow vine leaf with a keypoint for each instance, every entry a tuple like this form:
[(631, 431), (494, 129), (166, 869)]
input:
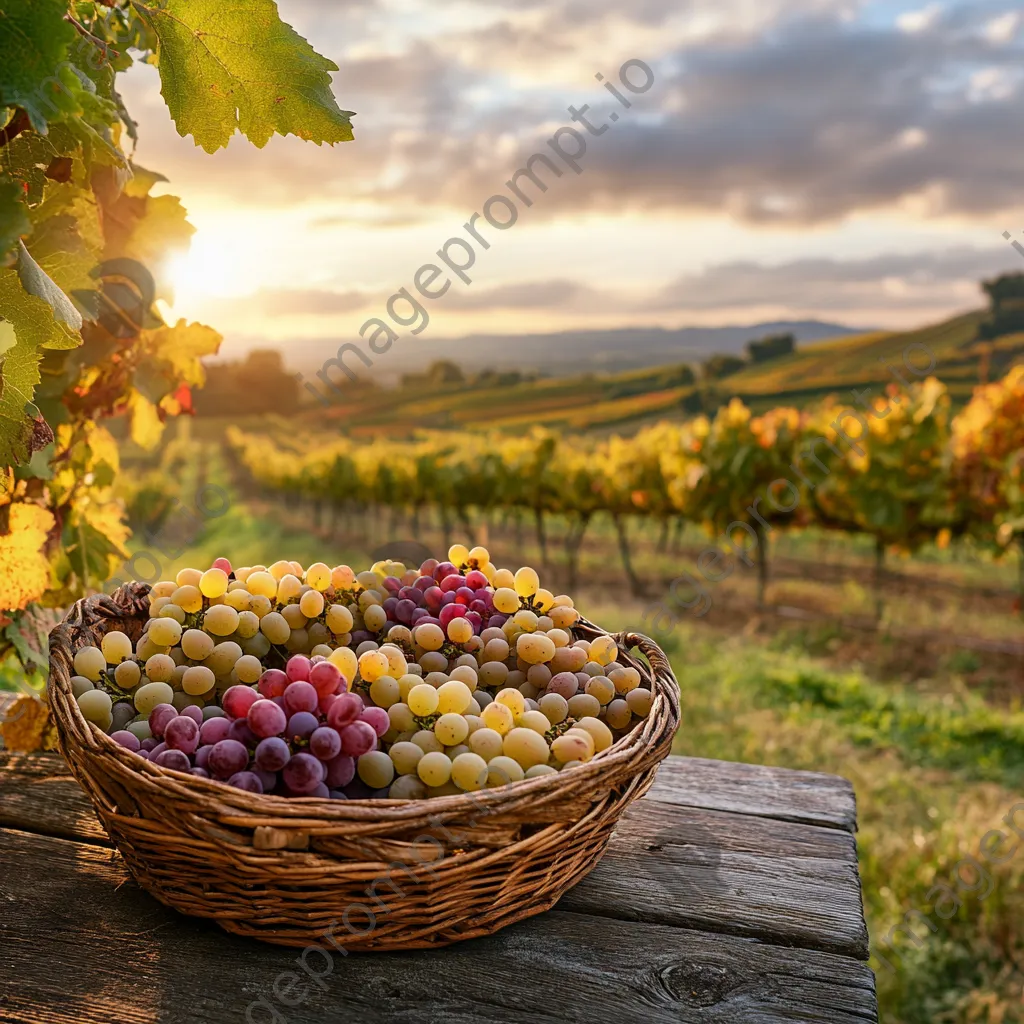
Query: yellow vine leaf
[(24, 569), (27, 726)]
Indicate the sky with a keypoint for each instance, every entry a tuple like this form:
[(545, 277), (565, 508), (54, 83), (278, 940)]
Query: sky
[(856, 162)]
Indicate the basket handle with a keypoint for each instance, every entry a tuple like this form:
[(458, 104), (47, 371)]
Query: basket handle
[(657, 658)]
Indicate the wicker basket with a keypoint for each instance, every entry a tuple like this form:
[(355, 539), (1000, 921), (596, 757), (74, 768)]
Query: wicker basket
[(372, 874)]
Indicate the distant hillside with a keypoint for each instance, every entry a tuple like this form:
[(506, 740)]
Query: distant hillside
[(570, 351)]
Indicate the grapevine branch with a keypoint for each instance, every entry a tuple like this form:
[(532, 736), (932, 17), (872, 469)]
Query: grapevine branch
[(86, 34)]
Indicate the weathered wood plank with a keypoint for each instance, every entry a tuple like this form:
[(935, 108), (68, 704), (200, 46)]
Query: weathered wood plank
[(131, 960), (788, 884), (780, 793)]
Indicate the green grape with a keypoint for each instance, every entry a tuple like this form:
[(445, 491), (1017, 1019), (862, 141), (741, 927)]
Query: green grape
[(160, 668), (466, 674), (373, 665), (453, 696), (275, 628), (525, 620), (430, 637), (433, 661), (222, 658), (96, 707), (495, 649), (640, 702), (422, 700), (248, 669), (527, 581), (397, 665), (583, 705), (434, 768), (261, 584), (540, 769), (502, 770), (618, 714), (436, 679), (213, 583), (182, 700), (469, 772), (493, 674), (292, 614), (260, 605), (513, 700), (485, 742), (526, 747), (401, 717), (570, 746), (198, 679), (376, 769), (188, 598), (451, 729), (374, 618), (127, 675), (427, 741), (196, 645), (80, 685), (625, 678), (220, 620), (188, 577), (405, 756), (116, 646), (240, 600), (148, 695), (140, 730), (459, 630), (407, 787), (602, 688), (319, 576), (339, 619), (459, 748), (604, 650), (554, 707), (385, 691), (258, 646), (599, 732), (498, 717), (172, 611), (535, 720), (248, 625), (89, 662), (289, 587)]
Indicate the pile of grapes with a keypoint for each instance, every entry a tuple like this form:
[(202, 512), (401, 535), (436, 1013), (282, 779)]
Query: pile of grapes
[(394, 682)]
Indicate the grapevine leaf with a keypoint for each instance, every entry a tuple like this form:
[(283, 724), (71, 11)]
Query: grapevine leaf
[(227, 65), (175, 353), (37, 282), (19, 375), (34, 42), (146, 427), (14, 220), (27, 726)]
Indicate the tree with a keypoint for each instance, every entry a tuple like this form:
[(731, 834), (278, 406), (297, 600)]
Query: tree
[(81, 235), (718, 367), (772, 346)]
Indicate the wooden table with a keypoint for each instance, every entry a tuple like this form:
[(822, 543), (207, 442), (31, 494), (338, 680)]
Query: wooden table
[(729, 894)]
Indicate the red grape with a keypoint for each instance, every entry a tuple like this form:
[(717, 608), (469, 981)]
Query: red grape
[(265, 718), (358, 738), (176, 760), (325, 678), (222, 563), (237, 701), (226, 758), (182, 733), (345, 710), (300, 696), (249, 781), (127, 740), (341, 770), (159, 717), (297, 668), (300, 726), (325, 742), (302, 774), (272, 754), (272, 683), (196, 714), (214, 730), (377, 718)]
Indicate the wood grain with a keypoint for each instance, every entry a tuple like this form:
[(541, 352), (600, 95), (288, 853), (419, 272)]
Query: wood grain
[(128, 959), (812, 798)]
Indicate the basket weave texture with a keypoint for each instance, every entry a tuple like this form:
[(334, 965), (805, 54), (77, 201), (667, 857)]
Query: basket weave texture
[(371, 874)]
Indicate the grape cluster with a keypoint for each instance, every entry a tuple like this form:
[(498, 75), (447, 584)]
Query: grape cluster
[(403, 683)]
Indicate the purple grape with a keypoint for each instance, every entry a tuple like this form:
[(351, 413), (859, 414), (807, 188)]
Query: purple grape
[(448, 597), (279, 701), (445, 569), (213, 730), (248, 781), (302, 774), (127, 740), (424, 582), (300, 696), (389, 605), (451, 611), (200, 773), (320, 791), (433, 597), (359, 635), (267, 779), (265, 718), (404, 611), (358, 738), (377, 719), (346, 709), (337, 794), (203, 755), (325, 742), (272, 754), (239, 730), (297, 670), (341, 770), (176, 760), (193, 712), (149, 743), (409, 594), (144, 754), (464, 595), (476, 621), (301, 726), (497, 620), (418, 616), (159, 717), (157, 750), (227, 758), (478, 606), (182, 734), (392, 584), (357, 790), (565, 684)]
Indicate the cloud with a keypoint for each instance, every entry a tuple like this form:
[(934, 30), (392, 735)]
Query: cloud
[(891, 281)]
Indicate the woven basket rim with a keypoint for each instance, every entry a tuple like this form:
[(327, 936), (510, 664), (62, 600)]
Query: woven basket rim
[(644, 745)]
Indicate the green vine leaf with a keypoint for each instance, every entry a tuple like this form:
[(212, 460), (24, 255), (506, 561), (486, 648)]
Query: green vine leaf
[(37, 282), (19, 375), (14, 220), (34, 42), (228, 66)]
